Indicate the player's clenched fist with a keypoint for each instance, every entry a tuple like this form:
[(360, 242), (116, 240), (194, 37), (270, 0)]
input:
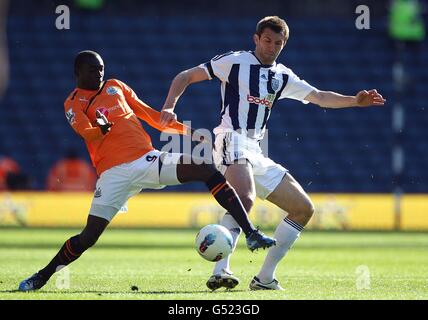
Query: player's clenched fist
[(167, 117), (370, 98), (103, 122)]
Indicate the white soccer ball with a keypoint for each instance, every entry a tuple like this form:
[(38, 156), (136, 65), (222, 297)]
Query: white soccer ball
[(214, 242)]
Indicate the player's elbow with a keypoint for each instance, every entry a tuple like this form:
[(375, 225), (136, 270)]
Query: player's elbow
[(183, 77), (193, 75), (319, 98)]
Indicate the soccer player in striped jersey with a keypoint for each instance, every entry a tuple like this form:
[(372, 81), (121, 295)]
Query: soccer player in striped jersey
[(251, 84), (106, 115)]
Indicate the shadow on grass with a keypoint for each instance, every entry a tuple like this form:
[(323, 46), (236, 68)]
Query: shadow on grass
[(66, 292), (152, 246)]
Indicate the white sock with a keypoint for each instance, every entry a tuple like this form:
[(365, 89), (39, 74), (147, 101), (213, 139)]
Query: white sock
[(286, 234), (235, 231)]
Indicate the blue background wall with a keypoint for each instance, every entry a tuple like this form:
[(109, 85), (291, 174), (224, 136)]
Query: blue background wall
[(145, 45)]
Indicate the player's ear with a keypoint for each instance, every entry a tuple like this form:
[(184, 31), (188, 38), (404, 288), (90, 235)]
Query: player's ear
[(256, 39), (283, 45)]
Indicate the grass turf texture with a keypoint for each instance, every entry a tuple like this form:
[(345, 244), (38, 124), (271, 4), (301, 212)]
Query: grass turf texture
[(163, 264)]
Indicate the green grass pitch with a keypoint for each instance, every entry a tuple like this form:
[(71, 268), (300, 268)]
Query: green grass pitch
[(163, 264)]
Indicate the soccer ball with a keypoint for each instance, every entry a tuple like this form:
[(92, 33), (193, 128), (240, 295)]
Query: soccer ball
[(214, 242)]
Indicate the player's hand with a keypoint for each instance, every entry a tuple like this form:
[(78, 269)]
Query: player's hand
[(167, 117), (369, 98), (103, 122)]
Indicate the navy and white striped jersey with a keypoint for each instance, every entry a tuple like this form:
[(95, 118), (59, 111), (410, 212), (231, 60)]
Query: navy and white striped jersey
[(250, 89)]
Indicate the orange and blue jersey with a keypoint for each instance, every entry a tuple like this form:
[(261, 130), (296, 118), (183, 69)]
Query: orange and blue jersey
[(127, 140)]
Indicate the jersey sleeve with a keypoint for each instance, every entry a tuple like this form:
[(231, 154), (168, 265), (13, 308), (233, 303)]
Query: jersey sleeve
[(150, 115), (81, 123), (296, 88), (219, 66)]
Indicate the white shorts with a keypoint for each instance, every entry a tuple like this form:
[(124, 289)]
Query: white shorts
[(116, 185), (232, 146)]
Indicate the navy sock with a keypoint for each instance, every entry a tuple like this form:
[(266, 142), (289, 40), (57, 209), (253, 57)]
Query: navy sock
[(228, 199), (69, 252)]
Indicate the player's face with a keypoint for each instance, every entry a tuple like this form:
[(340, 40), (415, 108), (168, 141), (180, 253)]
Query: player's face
[(91, 73), (269, 45)]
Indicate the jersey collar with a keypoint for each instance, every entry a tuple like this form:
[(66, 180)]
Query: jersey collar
[(263, 65)]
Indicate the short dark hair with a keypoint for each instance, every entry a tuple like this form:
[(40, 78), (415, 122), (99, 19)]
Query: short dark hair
[(275, 23), (82, 57)]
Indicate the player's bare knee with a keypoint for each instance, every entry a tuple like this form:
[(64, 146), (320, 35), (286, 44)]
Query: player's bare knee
[(306, 210), (310, 210), (302, 212)]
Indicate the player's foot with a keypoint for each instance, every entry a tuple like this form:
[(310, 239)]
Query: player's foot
[(225, 279), (256, 284), (258, 239), (35, 282)]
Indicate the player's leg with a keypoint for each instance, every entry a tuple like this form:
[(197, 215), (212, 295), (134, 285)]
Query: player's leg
[(240, 177), (185, 169), (230, 155), (290, 197), (71, 250), (223, 192), (113, 190)]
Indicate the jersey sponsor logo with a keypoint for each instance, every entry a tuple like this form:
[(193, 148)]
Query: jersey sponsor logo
[(112, 90), (71, 116), (266, 101), (83, 100), (104, 111)]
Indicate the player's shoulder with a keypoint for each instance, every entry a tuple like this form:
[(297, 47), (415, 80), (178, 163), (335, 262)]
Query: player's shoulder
[(286, 70), (72, 95), (233, 56), (282, 68), (113, 84), (71, 98)]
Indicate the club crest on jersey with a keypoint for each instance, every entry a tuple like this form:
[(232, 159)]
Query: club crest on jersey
[(112, 90), (70, 115), (275, 84), (97, 193)]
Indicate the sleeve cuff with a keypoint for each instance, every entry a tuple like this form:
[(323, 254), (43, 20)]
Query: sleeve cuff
[(208, 69)]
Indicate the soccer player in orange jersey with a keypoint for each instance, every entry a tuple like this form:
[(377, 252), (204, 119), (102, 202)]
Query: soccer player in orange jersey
[(106, 115)]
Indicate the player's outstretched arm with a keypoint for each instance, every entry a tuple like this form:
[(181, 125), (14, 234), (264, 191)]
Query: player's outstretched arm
[(329, 99), (178, 85)]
